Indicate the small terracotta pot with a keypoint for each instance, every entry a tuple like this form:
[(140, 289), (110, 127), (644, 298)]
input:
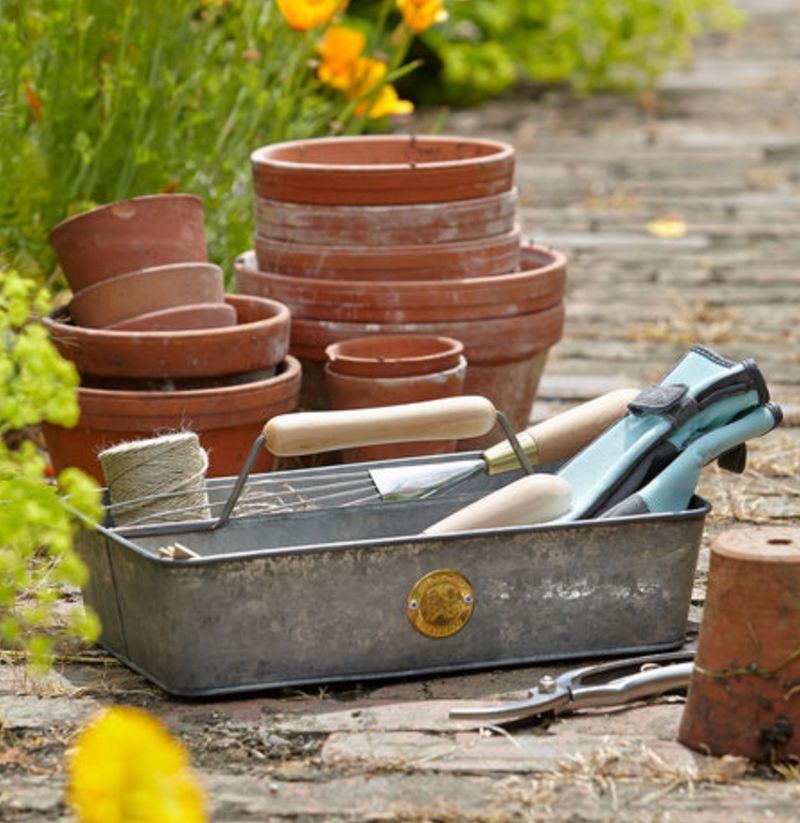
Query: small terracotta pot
[(484, 257), (192, 316), (258, 341), (227, 420), (383, 169), (393, 355), (744, 694), (539, 285), (140, 233), (386, 225), (135, 293), (394, 379)]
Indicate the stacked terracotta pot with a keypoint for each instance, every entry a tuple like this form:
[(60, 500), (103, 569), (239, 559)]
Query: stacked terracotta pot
[(397, 235), (158, 344)]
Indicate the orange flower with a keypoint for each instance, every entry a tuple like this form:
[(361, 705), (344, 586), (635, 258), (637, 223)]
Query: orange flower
[(34, 101), (345, 68), (422, 14), (340, 49), (303, 15)]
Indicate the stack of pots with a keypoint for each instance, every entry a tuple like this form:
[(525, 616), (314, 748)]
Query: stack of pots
[(403, 234), (157, 343)]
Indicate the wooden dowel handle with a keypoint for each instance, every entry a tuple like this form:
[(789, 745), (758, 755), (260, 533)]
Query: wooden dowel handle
[(311, 432)]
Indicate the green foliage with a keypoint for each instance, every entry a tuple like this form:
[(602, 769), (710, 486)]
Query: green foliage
[(622, 45), (36, 530), (111, 99)]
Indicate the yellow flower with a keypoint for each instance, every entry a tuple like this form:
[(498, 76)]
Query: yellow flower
[(127, 768), (670, 227), (422, 14), (303, 15), (387, 103)]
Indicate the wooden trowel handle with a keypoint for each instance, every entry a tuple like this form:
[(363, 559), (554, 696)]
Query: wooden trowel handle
[(301, 433), (563, 435), (535, 498)]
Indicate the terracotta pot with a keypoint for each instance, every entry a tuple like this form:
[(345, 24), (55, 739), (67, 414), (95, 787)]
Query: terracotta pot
[(486, 256), (393, 355), (386, 225), (744, 694), (140, 233), (258, 341), (227, 420), (539, 285), (192, 316), (506, 357), (383, 169), (127, 295), (394, 379)]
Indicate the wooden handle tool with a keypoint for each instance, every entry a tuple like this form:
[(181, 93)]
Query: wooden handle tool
[(311, 432), (535, 498)]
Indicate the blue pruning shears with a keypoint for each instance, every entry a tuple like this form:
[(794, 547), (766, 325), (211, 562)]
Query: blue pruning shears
[(603, 685)]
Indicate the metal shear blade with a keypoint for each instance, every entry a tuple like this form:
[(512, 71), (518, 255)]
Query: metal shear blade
[(603, 685)]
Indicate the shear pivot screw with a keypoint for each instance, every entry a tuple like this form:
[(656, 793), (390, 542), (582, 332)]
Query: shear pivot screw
[(546, 684)]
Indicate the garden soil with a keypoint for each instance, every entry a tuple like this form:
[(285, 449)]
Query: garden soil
[(613, 181)]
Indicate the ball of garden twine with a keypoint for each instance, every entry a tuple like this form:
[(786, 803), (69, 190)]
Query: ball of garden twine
[(158, 480)]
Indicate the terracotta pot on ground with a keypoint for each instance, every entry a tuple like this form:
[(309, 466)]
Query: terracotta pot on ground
[(744, 694), (387, 370), (386, 225), (140, 233), (259, 340), (383, 169), (227, 420), (125, 296)]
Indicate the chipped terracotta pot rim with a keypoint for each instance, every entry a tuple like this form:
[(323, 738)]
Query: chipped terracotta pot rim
[(117, 207)]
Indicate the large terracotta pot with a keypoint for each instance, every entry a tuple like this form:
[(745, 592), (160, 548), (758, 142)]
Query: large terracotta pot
[(259, 341), (383, 169), (227, 420), (140, 233), (483, 257), (388, 370), (125, 296), (386, 225), (538, 285)]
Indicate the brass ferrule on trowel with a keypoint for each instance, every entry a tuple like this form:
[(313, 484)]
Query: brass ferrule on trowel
[(502, 457)]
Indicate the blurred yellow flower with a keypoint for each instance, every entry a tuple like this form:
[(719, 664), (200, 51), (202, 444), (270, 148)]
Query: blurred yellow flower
[(303, 15), (422, 14), (127, 768), (668, 227)]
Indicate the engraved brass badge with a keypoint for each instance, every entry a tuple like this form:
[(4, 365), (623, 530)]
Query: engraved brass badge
[(440, 604)]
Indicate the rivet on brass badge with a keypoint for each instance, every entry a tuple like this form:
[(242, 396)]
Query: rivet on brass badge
[(440, 604)]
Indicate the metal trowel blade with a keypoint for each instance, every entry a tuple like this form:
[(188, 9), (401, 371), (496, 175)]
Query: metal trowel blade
[(417, 482)]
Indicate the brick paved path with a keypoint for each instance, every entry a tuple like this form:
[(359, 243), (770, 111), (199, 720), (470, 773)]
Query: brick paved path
[(717, 147)]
